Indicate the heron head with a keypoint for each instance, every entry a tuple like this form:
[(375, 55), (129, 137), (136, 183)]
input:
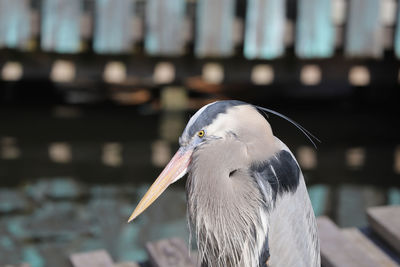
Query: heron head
[(212, 123)]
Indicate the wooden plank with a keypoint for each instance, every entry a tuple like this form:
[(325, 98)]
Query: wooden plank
[(352, 199), (214, 28), (364, 36), (126, 264), (315, 36), (194, 254), (97, 258), (20, 265), (337, 250), (61, 25), (163, 20), (169, 252), (394, 196), (15, 24), (397, 35), (369, 248), (319, 195), (265, 29), (112, 30), (386, 222)]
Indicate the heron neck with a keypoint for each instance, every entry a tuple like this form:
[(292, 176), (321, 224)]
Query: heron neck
[(293, 239), (223, 205)]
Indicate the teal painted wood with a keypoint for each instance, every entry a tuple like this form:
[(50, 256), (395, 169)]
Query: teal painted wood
[(394, 196), (214, 28), (113, 31), (265, 29), (15, 24), (364, 36), (319, 198), (165, 21), (315, 36), (397, 35), (60, 28)]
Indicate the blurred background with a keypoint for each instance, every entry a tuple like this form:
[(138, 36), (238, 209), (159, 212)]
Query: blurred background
[(95, 93)]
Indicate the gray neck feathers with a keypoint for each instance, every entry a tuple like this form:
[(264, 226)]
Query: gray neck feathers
[(293, 237), (224, 211)]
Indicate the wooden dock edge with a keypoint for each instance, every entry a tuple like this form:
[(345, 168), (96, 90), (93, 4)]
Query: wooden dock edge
[(385, 221), (339, 247)]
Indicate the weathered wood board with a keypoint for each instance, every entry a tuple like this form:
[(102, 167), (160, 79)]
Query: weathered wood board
[(169, 252), (163, 20), (368, 247), (15, 23), (315, 36), (337, 250), (386, 222), (397, 35), (112, 26), (60, 25), (126, 264), (98, 258), (364, 30), (265, 29), (214, 28)]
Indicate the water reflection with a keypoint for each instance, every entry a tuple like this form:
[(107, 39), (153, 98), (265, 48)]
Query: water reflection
[(64, 216), (46, 220)]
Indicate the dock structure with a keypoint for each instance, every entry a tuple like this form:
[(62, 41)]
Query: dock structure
[(127, 51), (378, 245), (163, 253)]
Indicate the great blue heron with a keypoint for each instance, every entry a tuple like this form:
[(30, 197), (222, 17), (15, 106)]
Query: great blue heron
[(247, 201)]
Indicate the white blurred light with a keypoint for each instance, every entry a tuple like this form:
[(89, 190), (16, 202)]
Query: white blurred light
[(339, 11), (310, 75), (388, 12), (359, 76), (112, 154), (114, 72), (307, 157), (63, 71), (12, 71), (213, 73), (262, 74), (60, 152), (164, 72), (355, 157), (160, 153), (8, 148)]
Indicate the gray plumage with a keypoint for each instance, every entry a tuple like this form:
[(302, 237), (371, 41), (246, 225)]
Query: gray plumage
[(246, 195), (247, 201)]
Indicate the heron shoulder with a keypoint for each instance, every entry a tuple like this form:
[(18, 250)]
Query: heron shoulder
[(277, 174)]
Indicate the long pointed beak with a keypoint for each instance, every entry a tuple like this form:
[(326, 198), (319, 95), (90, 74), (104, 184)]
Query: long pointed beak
[(175, 169)]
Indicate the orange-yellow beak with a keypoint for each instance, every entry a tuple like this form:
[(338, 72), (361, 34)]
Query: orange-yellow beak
[(174, 170)]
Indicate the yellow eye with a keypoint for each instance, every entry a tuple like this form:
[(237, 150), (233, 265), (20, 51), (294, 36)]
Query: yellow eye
[(200, 133)]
